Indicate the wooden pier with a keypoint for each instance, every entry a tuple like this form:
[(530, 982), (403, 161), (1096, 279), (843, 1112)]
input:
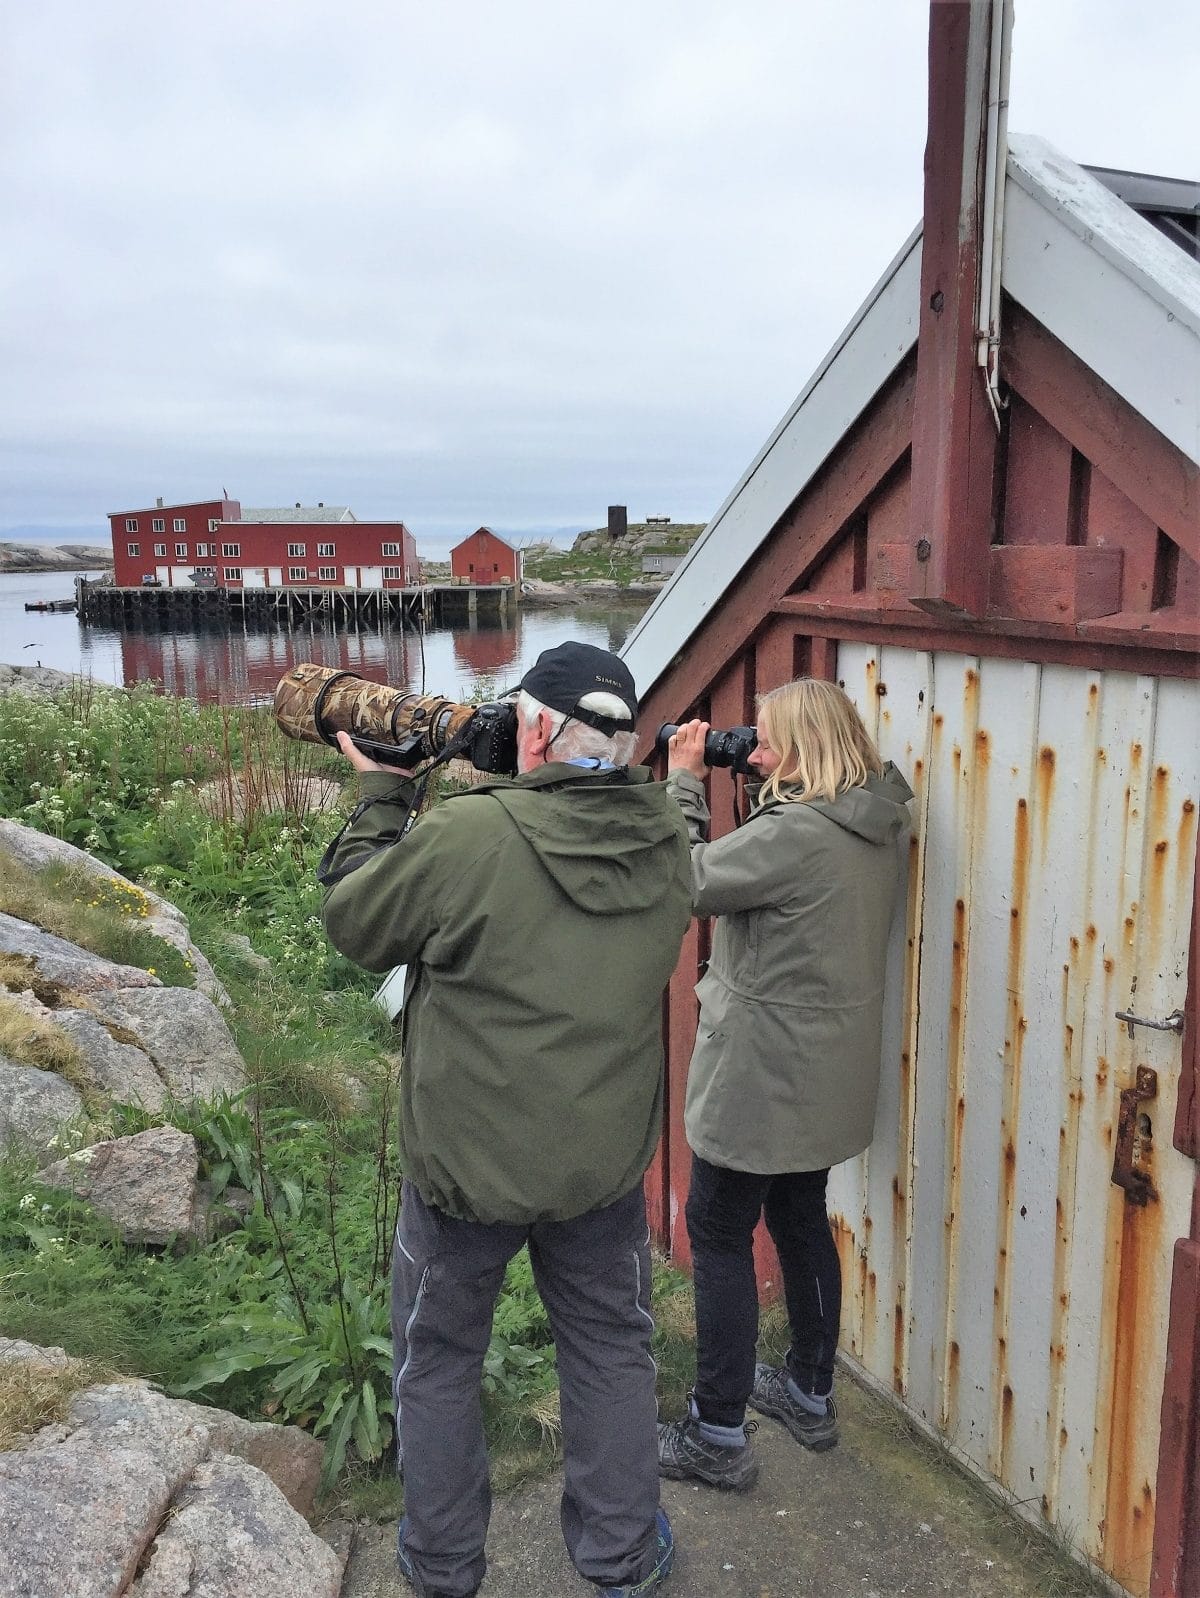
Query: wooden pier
[(434, 604)]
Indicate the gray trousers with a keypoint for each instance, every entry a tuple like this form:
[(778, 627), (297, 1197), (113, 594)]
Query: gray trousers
[(593, 1274)]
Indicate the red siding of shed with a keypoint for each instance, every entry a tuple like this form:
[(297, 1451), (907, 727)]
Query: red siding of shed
[(485, 557)]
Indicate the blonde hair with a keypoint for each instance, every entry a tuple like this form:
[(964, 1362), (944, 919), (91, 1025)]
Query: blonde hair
[(822, 744)]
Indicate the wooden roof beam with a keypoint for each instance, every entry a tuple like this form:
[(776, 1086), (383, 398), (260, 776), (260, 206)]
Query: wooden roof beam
[(955, 442)]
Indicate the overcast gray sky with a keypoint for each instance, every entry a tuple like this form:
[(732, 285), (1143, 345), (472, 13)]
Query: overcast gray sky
[(471, 261)]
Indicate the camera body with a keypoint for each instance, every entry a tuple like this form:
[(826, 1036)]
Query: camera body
[(731, 748), (493, 735)]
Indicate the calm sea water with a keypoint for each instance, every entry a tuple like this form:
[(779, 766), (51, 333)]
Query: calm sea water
[(240, 664)]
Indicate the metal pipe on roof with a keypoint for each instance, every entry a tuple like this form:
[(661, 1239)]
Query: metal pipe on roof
[(995, 170)]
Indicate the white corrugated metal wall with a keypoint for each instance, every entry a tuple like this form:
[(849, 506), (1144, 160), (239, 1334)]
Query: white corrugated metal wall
[(996, 1277)]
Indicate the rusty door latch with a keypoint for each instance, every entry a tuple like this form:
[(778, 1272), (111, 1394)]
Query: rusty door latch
[(1173, 1022), (1133, 1139)]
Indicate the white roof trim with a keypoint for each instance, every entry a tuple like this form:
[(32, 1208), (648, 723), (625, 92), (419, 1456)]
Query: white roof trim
[(1085, 264), (856, 368), (1076, 257)]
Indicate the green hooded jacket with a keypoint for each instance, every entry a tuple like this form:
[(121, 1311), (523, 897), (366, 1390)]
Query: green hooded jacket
[(785, 1072), (540, 918)]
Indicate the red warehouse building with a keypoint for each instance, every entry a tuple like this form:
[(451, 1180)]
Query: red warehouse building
[(485, 557), (215, 542)]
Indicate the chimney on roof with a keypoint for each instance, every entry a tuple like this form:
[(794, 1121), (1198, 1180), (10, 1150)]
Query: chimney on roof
[(158, 502)]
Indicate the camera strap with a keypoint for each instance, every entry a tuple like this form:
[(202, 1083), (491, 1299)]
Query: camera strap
[(327, 877)]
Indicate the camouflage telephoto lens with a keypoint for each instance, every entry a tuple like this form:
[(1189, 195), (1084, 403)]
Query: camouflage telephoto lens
[(315, 703)]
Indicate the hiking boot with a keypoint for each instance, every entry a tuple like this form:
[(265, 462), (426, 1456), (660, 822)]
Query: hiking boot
[(665, 1558), (408, 1571), (684, 1454), (772, 1396)]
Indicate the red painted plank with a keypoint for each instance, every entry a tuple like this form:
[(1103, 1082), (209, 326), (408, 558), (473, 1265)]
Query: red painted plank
[(1107, 645), (1175, 1569), (1060, 584), (954, 435), (777, 654), (681, 1035), (1160, 480), (1113, 521), (1037, 493)]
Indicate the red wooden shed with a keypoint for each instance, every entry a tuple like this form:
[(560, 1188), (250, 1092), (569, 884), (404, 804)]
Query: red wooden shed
[(1011, 597), (485, 557)]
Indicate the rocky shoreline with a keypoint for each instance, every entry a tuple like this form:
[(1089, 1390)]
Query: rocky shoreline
[(53, 557)]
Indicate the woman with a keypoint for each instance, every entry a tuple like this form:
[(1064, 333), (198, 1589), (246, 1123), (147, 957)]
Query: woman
[(785, 1071)]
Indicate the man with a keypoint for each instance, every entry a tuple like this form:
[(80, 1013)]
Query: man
[(540, 918)]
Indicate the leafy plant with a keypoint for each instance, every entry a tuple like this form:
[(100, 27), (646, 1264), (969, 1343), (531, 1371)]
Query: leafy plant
[(333, 1371)]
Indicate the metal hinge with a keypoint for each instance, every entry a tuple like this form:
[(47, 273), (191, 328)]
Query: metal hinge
[(1173, 1023)]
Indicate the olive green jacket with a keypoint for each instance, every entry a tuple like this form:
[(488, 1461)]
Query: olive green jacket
[(785, 1071), (540, 919)]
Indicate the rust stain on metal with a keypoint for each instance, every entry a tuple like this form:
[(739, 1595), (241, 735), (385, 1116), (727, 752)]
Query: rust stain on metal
[(1185, 844), (1045, 792), (898, 1348), (1015, 1029), (953, 1370), (983, 749), (1129, 1524)]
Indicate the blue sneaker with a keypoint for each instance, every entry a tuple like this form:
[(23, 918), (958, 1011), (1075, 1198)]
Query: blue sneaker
[(662, 1565), (408, 1570)]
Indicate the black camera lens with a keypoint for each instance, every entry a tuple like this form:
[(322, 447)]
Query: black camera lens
[(732, 747)]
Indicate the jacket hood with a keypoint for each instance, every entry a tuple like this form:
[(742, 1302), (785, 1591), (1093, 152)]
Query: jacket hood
[(600, 839), (876, 811)]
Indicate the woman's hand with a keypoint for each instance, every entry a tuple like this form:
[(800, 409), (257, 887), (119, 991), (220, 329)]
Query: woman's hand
[(685, 749)]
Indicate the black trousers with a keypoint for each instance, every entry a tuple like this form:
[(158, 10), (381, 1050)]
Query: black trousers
[(723, 1208)]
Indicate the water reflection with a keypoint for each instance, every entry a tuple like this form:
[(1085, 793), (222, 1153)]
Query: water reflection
[(241, 663)]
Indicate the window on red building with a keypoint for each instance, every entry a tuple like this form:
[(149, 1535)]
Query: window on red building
[(327, 574), (392, 574), (214, 524), (231, 550), (233, 574), (298, 549), (297, 574), (201, 551), (326, 549), (391, 549), (181, 551), (180, 525), (158, 525), (160, 551), (134, 549), (131, 524)]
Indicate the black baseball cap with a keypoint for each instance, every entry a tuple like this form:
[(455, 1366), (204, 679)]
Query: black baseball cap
[(562, 676)]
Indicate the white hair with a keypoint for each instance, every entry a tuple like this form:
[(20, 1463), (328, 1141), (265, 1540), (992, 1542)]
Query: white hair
[(578, 741)]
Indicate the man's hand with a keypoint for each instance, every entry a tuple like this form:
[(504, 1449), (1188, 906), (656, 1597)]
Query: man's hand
[(357, 759), (685, 749)]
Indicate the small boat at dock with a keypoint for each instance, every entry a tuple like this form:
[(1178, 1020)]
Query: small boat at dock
[(50, 604)]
